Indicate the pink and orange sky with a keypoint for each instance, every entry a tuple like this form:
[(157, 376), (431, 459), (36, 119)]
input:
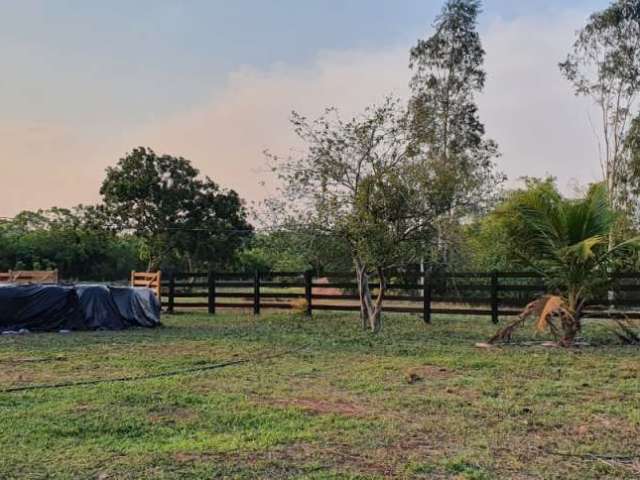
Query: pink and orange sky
[(77, 100)]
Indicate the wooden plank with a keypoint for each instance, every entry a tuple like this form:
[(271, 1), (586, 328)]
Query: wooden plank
[(308, 292), (522, 288), (322, 296), (282, 295), (627, 287), (337, 308), (460, 311), (183, 283), (426, 297), (614, 315), (179, 294), (190, 305), (390, 298), (235, 284), (392, 309), (152, 280), (172, 293), (461, 300), (340, 285), (211, 293), (275, 305), (519, 275), (30, 276), (372, 285), (256, 294), (616, 301), (247, 306), (468, 288), (628, 275), (436, 275), (282, 284), (234, 294), (494, 298)]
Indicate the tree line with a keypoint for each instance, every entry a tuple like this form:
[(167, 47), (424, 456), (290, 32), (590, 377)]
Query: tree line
[(156, 213), (404, 182)]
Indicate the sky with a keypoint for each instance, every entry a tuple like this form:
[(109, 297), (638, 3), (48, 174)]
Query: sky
[(83, 82)]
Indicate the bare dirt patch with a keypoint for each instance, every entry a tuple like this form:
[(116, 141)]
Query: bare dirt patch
[(426, 373), (172, 415), (323, 406)]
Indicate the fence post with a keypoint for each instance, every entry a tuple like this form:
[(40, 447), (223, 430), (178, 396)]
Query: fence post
[(211, 280), (172, 292), (308, 290), (256, 293), (494, 297), (426, 297)]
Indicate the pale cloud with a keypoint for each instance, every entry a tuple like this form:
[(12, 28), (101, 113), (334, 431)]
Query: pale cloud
[(530, 109), (226, 137), (44, 165), (541, 127), (527, 107)]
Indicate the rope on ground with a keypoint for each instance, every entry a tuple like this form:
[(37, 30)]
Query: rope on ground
[(595, 456), (172, 373)]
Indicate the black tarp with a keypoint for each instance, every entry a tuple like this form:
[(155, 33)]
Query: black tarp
[(82, 307), (115, 308), (138, 306), (40, 308)]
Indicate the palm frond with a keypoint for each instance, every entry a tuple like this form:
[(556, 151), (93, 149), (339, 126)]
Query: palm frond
[(584, 250)]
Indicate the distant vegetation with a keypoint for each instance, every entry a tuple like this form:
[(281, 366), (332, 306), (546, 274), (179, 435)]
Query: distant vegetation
[(156, 213)]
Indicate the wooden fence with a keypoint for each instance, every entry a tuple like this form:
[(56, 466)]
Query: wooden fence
[(29, 276), (493, 294), (150, 280)]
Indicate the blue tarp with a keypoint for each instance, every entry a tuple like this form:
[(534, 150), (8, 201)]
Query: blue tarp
[(82, 307)]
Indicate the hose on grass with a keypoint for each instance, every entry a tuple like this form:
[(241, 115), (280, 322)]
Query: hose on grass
[(171, 373), (594, 456)]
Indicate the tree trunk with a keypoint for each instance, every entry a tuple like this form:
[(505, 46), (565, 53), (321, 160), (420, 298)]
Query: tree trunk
[(571, 324), (375, 317), (370, 310), (153, 264), (362, 279), (571, 327)]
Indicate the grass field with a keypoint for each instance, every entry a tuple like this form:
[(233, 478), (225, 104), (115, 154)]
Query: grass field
[(416, 401)]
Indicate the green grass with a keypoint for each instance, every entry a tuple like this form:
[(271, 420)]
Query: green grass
[(339, 408)]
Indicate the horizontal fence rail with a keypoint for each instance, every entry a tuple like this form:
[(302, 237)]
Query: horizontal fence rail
[(491, 294)]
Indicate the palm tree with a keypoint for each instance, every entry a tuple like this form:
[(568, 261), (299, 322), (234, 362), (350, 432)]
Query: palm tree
[(567, 242)]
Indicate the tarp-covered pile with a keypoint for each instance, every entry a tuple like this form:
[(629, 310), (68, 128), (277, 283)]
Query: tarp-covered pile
[(82, 307)]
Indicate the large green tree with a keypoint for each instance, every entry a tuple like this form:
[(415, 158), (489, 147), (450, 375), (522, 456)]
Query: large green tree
[(184, 219), (358, 182), (445, 123), (604, 65)]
